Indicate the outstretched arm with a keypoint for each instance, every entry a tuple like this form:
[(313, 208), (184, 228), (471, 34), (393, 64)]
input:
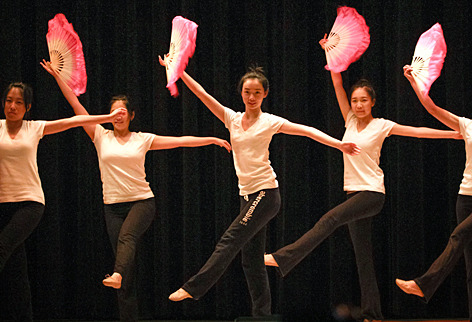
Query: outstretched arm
[(315, 134), (341, 95), (170, 142), (56, 126), (78, 108), (213, 105), (441, 114), (424, 132)]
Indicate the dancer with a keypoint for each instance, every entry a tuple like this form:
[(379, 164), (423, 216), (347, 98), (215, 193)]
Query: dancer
[(459, 241), (128, 200), (251, 133), (21, 195), (364, 185)]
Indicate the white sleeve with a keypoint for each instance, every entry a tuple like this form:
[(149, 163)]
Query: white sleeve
[(99, 131), (463, 124), (276, 122), (147, 139), (350, 116), (229, 115), (39, 128)]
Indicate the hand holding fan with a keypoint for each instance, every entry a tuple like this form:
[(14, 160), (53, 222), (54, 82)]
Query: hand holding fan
[(182, 47), (428, 58), (65, 53), (347, 40)]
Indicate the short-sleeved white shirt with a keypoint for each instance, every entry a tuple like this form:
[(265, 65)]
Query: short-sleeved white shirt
[(19, 177), (251, 150), (122, 165), (362, 171), (465, 127)]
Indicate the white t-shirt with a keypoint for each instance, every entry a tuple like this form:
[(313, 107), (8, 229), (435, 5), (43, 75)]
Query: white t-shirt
[(251, 150), (465, 126), (362, 171), (19, 177), (122, 165)]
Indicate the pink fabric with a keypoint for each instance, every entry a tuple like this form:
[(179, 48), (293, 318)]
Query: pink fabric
[(347, 41), (182, 47), (60, 31), (428, 58)]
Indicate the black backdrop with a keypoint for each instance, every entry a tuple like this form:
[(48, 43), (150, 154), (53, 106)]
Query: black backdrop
[(196, 189)]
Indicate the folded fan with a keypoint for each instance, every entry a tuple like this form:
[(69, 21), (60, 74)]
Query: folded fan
[(428, 57), (182, 47), (65, 53), (347, 40)]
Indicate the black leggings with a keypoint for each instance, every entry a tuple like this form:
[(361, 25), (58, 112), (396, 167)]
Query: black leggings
[(126, 223), (458, 245), (357, 212), (17, 222)]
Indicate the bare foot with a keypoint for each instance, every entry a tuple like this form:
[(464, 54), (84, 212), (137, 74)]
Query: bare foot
[(409, 287), (180, 295), (270, 261), (113, 281)]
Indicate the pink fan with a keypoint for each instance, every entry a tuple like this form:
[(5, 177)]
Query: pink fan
[(66, 55), (428, 58), (347, 41), (182, 47)]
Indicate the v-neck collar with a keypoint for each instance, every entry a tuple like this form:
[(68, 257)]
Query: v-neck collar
[(124, 143), (17, 133), (252, 125), (365, 127)]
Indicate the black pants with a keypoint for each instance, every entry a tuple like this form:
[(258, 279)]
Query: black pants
[(17, 222), (126, 223), (357, 212), (247, 234), (458, 245)]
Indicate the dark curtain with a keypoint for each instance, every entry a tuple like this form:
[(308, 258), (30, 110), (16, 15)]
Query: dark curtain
[(196, 188)]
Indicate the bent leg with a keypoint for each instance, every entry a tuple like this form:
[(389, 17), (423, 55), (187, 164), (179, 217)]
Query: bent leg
[(457, 244), (18, 220), (126, 223), (137, 222)]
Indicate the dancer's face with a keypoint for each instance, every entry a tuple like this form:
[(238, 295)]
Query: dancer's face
[(253, 93), (121, 123), (15, 107), (362, 103)]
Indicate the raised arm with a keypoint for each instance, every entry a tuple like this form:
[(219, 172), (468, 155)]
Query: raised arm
[(56, 126), (171, 142), (78, 108), (213, 105), (444, 116), (315, 134), (337, 79), (341, 95)]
